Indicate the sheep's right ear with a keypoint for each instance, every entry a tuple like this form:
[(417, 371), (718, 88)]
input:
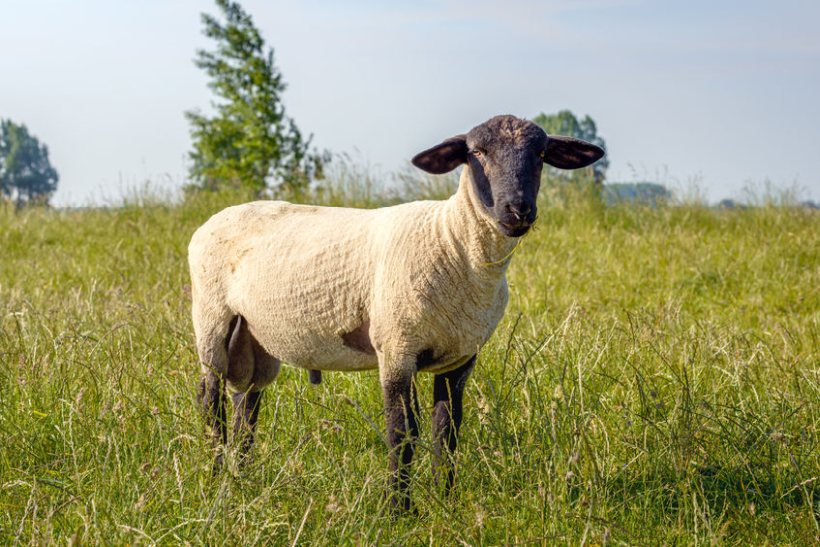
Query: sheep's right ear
[(443, 157)]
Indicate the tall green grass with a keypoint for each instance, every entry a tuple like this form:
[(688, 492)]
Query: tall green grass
[(655, 380)]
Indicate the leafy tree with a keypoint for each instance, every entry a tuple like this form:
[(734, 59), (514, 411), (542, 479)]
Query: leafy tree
[(26, 174), (249, 142), (566, 123)]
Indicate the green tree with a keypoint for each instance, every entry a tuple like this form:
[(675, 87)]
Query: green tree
[(249, 142), (566, 123), (26, 174)]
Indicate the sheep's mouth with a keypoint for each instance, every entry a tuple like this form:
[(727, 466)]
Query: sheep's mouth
[(514, 230)]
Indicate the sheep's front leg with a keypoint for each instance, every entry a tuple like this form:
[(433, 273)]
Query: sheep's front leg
[(246, 413), (448, 392), (402, 432)]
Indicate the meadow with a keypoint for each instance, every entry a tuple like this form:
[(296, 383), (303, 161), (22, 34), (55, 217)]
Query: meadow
[(656, 380)]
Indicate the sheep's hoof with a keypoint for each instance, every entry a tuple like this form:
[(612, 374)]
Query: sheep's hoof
[(219, 463), (244, 459), (315, 377), (399, 505)]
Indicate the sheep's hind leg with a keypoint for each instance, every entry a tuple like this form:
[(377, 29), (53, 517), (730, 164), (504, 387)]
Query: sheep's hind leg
[(246, 412), (214, 345), (448, 394), (211, 398), (250, 370)]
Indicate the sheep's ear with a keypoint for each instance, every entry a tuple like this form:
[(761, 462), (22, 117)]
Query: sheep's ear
[(569, 153), (443, 157)]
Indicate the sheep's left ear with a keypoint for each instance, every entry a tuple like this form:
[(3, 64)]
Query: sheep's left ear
[(570, 153), (443, 157)]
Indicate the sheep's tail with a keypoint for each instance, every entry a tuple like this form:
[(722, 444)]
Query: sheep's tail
[(315, 377)]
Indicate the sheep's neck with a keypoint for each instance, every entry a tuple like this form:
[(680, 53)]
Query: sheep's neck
[(474, 234)]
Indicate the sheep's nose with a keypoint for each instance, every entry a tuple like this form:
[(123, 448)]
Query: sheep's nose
[(519, 210)]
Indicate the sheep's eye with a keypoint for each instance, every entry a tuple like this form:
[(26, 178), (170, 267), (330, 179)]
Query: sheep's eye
[(543, 155), (476, 152)]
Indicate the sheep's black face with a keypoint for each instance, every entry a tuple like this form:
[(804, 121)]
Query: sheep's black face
[(505, 155)]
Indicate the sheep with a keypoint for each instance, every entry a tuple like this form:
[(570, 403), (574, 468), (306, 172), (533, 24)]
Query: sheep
[(417, 287)]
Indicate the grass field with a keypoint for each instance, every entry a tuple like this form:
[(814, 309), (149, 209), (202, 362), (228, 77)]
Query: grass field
[(656, 380)]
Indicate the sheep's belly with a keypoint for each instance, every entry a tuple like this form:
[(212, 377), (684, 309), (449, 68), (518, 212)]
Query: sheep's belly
[(313, 350), (342, 359)]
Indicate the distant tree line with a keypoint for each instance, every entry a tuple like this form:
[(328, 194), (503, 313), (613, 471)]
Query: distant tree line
[(639, 193), (26, 174)]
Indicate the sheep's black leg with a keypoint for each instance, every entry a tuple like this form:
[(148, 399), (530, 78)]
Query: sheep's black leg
[(402, 431), (246, 412), (448, 391), (212, 401)]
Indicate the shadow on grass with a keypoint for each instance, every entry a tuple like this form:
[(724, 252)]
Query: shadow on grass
[(721, 487)]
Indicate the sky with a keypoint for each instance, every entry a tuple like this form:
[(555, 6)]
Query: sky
[(714, 96)]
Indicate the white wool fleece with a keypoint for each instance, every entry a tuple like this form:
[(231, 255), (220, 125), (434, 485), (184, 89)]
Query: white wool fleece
[(422, 278)]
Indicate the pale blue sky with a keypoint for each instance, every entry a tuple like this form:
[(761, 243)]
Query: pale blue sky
[(722, 92)]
